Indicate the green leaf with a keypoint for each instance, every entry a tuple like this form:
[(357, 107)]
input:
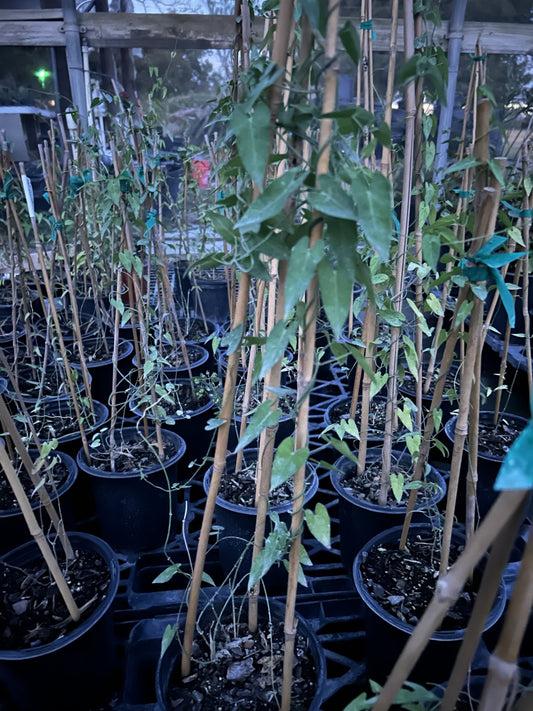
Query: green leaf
[(434, 304), (271, 201), (302, 265), (396, 485), (223, 226), (232, 339), (378, 383), (168, 637), (276, 343), (349, 37), (461, 165), (505, 296), (516, 471), (330, 198), (263, 417), (214, 423), (252, 131), (274, 550), (341, 447), (410, 356), (420, 318), (496, 171), (319, 524), (431, 249), (464, 311), (287, 462), (166, 575), (206, 578), (372, 196), (336, 289), (405, 418), (118, 305), (113, 190)]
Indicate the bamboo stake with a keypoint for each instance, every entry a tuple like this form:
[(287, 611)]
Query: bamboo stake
[(278, 56), (306, 358), (386, 164), (503, 668), (9, 426), (448, 590), (392, 384), (53, 312), (38, 535)]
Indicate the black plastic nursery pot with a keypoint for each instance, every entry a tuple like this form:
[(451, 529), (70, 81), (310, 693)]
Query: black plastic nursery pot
[(339, 409), (198, 360), (101, 371), (238, 524), (488, 464), (13, 528), (74, 671), (189, 424), (361, 520), (386, 634), (272, 610), (137, 508), (210, 297)]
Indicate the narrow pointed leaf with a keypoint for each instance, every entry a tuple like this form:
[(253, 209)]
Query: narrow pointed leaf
[(516, 471), (336, 288), (271, 201), (273, 551), (277, 341), (263, 417), (350, 41), (252, 131), (168, 637), (302, 266), (371, 194)]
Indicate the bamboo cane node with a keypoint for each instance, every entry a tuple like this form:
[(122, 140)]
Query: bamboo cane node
[(290, 633)]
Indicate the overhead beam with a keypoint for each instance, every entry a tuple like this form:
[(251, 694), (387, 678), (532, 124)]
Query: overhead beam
[(171, 31)]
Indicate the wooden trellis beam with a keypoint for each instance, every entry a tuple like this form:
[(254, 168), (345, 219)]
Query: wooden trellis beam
[(172, 31)]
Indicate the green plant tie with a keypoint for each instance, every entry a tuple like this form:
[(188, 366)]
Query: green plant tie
[(464, 193), (478, 57), (57, 226), (125, 182), (516, 212), (151, 216), (8, 193), (367, 25), (485, 265)]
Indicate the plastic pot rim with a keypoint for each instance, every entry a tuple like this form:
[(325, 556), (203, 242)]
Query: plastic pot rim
[(179, 443), (114, 572), (442, 636)]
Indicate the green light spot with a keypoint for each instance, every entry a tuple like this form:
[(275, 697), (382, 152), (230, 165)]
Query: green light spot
[(42, 75)]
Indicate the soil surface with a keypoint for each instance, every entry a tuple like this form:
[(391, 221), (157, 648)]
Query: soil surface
[(376, 420), (175, 357), (240, 488), (194, 329), (403, 582), (29, 381), (95, 351), (128, 456), (179, 402), (32, 611), (366, 486), (495, 441), (243, 671), (51, 424), (54, 475)]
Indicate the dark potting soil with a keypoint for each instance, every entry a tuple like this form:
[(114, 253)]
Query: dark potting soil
[(29, 377), (403, 582), (193, 329), (51, 424), (175, 356), (496, 440), (53, 475), (96, 350), (32, 611), (241, 670), (240, 488), (139, 455), (183, 403), (366, 486), (451, 384), (376, 419)]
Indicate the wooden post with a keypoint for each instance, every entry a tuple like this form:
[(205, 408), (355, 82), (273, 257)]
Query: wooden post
[(74, 59)]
